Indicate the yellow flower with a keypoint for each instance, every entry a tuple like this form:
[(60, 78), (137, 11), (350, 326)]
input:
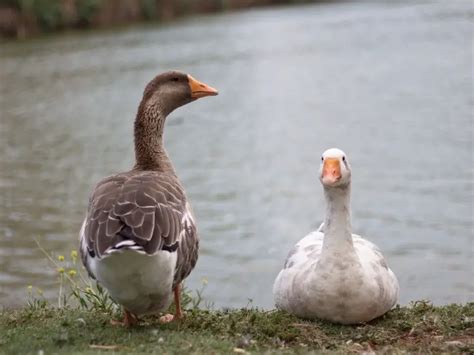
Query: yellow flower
[(30, 288), (61, 257), (204, 281), (72, 273), (73, 255), (40, 291), (61, 270)]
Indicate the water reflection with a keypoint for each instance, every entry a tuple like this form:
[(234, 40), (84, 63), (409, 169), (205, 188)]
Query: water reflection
[(388, 83)]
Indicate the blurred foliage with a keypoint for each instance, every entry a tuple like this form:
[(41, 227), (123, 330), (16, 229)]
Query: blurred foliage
[(49, 15), (10, 3), (47, 12), (149, 9), (86, 10), (184, 6)]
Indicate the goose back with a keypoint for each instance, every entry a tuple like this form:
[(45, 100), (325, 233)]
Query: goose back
[(146, 211)]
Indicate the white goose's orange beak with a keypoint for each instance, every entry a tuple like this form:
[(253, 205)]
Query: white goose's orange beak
[(199, 89), (331, 171)]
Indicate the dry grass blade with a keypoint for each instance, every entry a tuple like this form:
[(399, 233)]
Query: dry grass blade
[(105, 347)]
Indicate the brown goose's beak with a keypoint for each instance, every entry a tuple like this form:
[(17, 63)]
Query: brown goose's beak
[(199, 89)]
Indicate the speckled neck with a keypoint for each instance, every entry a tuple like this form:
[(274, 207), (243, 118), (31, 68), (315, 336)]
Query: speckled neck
[(150, 153), (337, 224)]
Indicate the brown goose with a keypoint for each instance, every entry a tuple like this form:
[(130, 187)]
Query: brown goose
[(139, 237)]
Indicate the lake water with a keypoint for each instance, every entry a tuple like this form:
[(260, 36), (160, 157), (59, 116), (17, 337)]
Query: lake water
[(389, 83)]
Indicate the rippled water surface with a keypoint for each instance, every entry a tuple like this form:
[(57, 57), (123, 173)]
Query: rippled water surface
[(388, 83)]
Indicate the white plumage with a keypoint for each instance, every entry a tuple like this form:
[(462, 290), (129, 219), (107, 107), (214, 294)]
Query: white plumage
[(138, 291), (123, 271), (331, 273)]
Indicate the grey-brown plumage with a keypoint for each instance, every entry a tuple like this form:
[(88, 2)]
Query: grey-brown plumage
[(146, 207), (144, 211)]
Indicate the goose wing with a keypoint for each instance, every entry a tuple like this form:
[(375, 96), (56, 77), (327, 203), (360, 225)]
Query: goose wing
[(307, 250), (146, 212), (373, 260)]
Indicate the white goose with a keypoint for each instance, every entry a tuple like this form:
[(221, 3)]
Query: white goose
[(331, 273)]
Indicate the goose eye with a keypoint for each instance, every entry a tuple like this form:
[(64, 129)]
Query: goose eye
[(322, 158), (343, 158)]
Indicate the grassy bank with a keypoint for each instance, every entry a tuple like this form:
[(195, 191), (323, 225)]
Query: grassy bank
[(421, 328)]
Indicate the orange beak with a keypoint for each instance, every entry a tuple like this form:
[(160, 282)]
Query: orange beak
[(199, 89), (331, 170)]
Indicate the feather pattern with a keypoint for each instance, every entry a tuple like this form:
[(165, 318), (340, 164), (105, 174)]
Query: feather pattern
[(354, 288), (331, 273), (139, 238), (147, 209)]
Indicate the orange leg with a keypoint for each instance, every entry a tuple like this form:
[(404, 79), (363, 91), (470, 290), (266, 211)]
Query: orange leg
[(129, 320), (177, 302), (178, 314)]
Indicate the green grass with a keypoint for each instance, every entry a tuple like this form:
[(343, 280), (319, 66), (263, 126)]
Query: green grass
[(421, 328), (80, 324)]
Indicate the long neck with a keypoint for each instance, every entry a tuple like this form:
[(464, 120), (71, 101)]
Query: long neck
[(150, 153), (337, 225)]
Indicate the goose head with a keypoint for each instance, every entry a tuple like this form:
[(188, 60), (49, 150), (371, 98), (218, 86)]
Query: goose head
[(172, 89), (335, 170)]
